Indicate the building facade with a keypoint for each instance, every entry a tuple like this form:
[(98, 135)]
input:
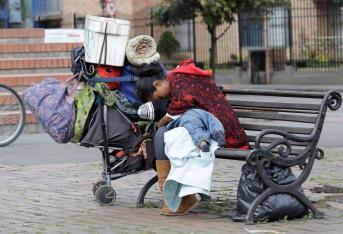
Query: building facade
[(309, 33)]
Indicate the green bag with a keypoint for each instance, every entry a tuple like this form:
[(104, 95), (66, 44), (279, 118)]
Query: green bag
[(83, 103), (105, 92)]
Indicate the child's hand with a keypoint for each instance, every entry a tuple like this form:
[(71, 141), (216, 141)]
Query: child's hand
[(164, 121)]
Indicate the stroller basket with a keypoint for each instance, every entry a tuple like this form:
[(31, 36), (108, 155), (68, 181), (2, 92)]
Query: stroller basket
[(118, 130)]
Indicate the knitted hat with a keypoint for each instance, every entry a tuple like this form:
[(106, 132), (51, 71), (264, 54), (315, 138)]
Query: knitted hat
[(146, 111), (141, 49)]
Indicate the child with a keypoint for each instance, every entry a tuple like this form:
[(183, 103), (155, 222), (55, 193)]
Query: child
[(201, 125), (189, 87)]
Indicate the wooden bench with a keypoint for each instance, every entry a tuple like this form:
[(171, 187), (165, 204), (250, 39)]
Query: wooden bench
[(283, 128)]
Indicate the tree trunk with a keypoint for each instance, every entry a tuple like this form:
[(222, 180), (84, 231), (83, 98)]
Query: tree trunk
[(213, 51)]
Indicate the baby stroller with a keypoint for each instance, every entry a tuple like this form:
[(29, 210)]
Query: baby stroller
[(117, 136)]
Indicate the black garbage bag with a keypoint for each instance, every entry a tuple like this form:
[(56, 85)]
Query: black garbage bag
[(274, 207)]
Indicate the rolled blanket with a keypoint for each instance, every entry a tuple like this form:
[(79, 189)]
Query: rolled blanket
[(141, 49)]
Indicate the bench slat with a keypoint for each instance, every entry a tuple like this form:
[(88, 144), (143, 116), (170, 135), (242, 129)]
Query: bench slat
[(275, 105), (273, 139), (276, 93), (262, 109), (260, 127), (233, 154), (241, 155), (276, 116)]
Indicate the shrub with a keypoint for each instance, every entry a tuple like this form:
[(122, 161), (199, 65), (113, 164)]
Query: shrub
[(167, 44)]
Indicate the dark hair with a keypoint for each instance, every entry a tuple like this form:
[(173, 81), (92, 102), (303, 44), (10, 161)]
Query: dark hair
[(148, 70), (145, 87)]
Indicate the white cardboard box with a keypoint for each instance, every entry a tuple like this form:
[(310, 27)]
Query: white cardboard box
[(117, 36)]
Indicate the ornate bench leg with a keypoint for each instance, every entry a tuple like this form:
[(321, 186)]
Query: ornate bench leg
[(144, 190), (317, 214), (250, 216)]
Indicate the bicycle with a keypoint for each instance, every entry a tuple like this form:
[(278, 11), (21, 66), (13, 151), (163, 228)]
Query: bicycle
[(12, 115)]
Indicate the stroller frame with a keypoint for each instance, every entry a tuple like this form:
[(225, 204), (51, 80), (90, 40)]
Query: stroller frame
[(102, 190)]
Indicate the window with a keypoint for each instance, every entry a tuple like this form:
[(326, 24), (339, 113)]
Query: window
[(251, 31), (333, 41), (335, 19), (184, 34), (278, 28)]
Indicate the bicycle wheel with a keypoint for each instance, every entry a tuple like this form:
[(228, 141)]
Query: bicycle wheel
[(12, 115)]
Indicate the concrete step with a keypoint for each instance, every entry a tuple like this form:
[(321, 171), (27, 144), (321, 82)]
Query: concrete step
[(21, 35), (37, 50), (28, 55), (30, 119), (12, 117), (36, 71), (7, 99), (38, 47), (24, 80), (29, 63), (35, 65), (21, 40)]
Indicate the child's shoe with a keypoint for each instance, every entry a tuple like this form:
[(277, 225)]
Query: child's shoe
[(204, 146), (219, 137)]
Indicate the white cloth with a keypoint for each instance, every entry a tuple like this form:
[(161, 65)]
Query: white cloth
[(191, 169), (173, 116)]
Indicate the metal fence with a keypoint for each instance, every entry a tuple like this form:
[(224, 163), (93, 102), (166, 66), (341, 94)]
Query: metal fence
[(307, 36)]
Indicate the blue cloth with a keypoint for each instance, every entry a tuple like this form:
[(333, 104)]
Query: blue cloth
[(128, 87), (200, 124), (191, 170)]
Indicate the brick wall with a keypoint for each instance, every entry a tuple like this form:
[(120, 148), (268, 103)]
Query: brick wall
[(78, 7)]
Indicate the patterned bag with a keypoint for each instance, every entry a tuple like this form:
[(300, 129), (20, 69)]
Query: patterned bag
[(52, 103)]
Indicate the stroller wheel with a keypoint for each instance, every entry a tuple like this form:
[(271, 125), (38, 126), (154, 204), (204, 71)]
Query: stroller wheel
[(97, 185), (105, 195)]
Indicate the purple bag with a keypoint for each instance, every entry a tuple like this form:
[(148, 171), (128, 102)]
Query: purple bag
[(52, 103)]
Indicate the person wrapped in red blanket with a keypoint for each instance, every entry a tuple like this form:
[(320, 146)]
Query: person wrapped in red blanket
[(189, 87)]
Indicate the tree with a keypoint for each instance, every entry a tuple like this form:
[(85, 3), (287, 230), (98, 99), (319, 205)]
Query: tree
[(213, 13)]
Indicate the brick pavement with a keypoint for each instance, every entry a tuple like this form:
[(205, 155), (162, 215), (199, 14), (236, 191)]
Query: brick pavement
[(58, 199)]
